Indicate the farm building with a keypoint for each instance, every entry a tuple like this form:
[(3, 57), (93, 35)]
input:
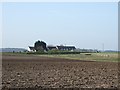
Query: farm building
[(51, 47), (31, 49), (69, 48)]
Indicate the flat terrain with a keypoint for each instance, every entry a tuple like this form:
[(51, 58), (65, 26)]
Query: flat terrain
[(20, 71), (104, 56)]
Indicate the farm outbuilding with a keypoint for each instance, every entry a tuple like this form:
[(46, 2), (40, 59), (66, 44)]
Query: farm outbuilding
[(31, 49), (69, 48), (51, 47), (61, 47)]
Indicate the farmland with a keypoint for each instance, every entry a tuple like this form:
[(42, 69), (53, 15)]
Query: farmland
[(108, 57), (59, 71)]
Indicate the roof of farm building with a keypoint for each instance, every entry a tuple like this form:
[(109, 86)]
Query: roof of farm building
[(66, 46), (32, 48)]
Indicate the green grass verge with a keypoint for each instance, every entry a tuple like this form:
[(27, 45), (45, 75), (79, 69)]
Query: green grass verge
[(15, 53), (109, 57)]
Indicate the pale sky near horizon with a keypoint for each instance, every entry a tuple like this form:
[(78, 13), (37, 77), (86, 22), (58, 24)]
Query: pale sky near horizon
[(85, 25)]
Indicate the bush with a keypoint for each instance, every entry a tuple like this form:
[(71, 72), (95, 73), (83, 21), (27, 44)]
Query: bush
[(38, 52)]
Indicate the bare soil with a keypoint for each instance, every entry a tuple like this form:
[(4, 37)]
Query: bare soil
[(42, 72)]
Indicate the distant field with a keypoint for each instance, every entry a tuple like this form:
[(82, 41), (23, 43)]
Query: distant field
[(109, 57), (104, 56)]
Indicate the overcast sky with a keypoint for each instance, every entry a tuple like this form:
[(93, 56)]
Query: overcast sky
[(84, 25)]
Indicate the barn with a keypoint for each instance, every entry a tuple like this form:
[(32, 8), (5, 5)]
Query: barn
[(51, 47), (69, 48), (31, 49)]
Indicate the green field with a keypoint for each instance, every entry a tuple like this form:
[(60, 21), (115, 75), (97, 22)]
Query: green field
[(109, 57)]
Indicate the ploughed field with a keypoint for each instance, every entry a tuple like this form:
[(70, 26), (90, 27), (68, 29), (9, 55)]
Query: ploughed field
[(42, 72)]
